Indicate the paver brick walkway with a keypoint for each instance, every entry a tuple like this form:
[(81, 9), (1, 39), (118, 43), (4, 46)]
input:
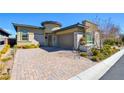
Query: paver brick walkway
[(38, 64)]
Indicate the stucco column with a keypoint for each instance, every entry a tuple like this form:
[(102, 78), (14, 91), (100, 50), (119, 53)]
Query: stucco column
[(5, 40)]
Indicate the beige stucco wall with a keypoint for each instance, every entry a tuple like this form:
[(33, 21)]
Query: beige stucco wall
[(32, 33), (67, 31), (91, 27), (50, 27)]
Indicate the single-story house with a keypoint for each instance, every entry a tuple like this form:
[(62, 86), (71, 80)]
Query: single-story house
[(3, 36), (52, 34)]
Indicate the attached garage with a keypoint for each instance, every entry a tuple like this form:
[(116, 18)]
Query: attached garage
[(66, 37), (66, 41)]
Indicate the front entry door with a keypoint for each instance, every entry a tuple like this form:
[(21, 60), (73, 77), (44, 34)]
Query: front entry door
[(49, 40), (77, 37)]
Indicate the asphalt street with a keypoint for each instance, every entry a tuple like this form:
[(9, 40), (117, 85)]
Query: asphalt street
[(116, 72)]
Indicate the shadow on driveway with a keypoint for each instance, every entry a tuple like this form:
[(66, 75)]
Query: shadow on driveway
[(54, 49)]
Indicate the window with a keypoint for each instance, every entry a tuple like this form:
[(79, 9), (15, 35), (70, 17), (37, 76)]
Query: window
[(89, 37), (24, 35)]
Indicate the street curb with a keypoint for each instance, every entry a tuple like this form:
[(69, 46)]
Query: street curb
[(97, 71)]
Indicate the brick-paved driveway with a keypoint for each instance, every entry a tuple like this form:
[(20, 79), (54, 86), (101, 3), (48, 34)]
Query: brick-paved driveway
[(37, 64)]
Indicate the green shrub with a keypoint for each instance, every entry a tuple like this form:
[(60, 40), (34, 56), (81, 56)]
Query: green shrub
[(82, 41), (2, 67), (106, 50), (95, 51), (101, 56), (98, 57), (103, 53), (83, 54), (118, 43), (34, 46), (28, 46), (112, 42), (14, 49), (5, 49), (95, 58), (109, 42), (114, 50), (5, 77), (15, 46), (19, 46), (38, 45), (6, 59), (0, 55), (107, 46)]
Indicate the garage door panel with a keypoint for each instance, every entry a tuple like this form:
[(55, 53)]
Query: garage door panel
[(66, 41)]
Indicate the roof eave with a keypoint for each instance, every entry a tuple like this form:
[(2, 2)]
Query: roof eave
[(5, 32), (69, 27), (23, 25)]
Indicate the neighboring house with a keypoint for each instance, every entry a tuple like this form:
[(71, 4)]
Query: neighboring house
[(51, 34), (3, 36)]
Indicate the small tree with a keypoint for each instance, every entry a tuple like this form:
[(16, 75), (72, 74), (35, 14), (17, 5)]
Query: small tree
[(122, 38), (82, 41), (109, 30)]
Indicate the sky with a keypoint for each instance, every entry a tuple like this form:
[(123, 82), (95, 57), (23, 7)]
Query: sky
[(66, 19)]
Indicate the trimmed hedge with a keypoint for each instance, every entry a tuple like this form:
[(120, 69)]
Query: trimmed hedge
[(5, 77), (5, 49), (28, 46), (83, 54), (0, 54), (113, 42), (6, 59), (95, 58), (109, 42), (2, 67)]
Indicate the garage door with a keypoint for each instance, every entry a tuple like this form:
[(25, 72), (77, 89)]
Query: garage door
[(66, 41), (39, 38)]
